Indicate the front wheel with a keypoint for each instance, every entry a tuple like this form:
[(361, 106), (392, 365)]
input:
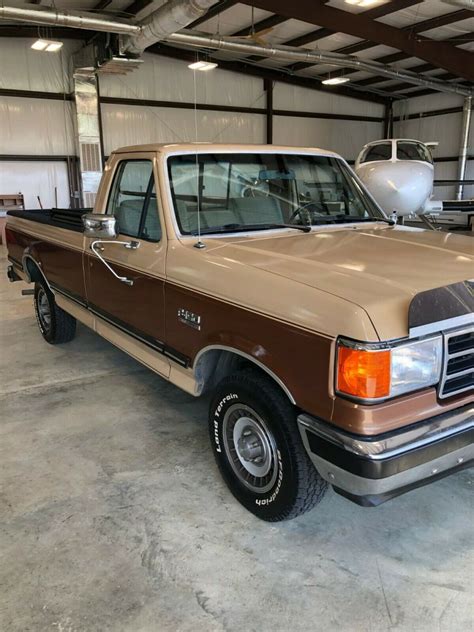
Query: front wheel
[(56, 325), (258, 448)]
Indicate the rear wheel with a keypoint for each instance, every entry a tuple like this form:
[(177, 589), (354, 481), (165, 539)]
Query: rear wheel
[(56, 325), (258, 448)]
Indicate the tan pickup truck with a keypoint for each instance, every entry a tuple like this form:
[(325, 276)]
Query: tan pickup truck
[(337, 347)]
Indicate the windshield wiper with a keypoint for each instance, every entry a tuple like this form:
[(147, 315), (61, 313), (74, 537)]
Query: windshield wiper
[(343, 219), (233, 228)]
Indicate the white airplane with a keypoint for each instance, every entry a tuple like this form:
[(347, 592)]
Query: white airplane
[(399, 174)]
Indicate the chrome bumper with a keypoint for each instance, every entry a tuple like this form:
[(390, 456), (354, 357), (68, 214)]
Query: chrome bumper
[(371, 470)]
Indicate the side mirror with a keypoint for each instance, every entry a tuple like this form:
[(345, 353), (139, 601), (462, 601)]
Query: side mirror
[(99, 226)]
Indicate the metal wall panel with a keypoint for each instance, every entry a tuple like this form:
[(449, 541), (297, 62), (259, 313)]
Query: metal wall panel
[(288, 97), (36, 127), (22, 68), (129, 125), (36, 178), (344, 137), (165, 79), (427, 103), (446, 129)]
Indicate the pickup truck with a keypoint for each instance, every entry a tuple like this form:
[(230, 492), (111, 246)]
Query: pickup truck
[(336, 346)]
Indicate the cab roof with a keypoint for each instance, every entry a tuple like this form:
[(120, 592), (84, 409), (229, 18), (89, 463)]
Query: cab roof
[(176, 148)]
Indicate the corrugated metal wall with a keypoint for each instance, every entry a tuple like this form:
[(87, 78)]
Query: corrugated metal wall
[(444, 128), (40, 126)]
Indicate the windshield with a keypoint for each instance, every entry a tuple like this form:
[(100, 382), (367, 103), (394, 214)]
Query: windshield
[(256, 191), (407, 150), (380, 151)]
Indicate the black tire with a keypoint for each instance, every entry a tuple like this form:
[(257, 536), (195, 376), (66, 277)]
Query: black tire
[(292, 485), (56, 325)]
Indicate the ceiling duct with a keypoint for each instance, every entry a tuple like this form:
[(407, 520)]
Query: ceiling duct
[(287, 53), (176, 14), (88, 132), (52, 17), (172, 16)]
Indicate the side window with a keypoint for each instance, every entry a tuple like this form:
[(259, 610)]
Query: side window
[(132, 200), (382, 151)]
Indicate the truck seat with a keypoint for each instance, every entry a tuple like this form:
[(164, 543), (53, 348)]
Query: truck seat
[(152, 226), (259, 210), (128, 216)]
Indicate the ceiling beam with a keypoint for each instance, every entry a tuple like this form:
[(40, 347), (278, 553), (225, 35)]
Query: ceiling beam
[(320, 33), (267, 23), (100, 6), (440, 54), (376, 12), (221, 6), (56, 32), (419, 27), (135, 7), (351, 49), (420, 68)]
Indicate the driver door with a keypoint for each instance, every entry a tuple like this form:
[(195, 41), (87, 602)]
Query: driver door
[(135, 308)]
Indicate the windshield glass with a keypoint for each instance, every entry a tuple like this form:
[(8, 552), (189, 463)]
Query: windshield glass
[(413, 151), (380, 151), (256, 191)]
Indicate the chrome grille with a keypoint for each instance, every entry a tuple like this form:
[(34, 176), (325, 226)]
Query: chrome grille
[(458, 369)]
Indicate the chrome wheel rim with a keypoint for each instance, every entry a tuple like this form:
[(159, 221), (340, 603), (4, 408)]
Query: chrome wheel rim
[(250, 447), (44, 309)]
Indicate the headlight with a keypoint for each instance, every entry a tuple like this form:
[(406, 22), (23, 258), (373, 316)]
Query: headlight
[(377, 372)]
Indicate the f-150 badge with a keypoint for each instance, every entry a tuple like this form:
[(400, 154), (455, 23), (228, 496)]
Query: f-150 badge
[(189, 318)]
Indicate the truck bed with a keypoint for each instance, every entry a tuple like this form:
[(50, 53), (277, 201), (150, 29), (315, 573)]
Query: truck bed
[(69, 218)]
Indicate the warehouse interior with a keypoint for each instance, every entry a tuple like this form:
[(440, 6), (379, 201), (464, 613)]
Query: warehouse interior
[(112, 512)]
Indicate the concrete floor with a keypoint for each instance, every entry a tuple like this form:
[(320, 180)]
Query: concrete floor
[(114, 517)]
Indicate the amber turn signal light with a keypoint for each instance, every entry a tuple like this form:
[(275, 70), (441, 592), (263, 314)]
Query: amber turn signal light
[(362, 373)]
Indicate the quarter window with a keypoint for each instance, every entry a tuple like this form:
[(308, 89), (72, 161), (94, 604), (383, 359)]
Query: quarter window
[(133, 202)]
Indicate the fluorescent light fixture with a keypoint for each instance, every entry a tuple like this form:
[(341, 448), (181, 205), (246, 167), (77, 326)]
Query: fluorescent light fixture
[(362, 3), (202, 65), (50, 46), (335, 81), (40, 44), (53, 47)]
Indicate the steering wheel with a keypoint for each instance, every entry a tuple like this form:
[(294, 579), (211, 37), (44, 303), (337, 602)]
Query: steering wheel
[(316, 208)]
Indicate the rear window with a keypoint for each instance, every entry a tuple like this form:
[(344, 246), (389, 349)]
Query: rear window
[(382, 151)]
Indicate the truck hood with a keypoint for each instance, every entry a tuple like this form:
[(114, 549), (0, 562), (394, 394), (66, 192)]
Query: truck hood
[(378, 268)]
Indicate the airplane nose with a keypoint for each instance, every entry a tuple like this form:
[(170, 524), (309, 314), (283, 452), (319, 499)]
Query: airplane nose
[(400, 187)]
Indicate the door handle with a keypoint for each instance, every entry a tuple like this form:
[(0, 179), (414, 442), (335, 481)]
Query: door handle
[(96, 246)]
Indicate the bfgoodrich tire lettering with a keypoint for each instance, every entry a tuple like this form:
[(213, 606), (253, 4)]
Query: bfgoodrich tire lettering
[(56, 325), (258, 448)]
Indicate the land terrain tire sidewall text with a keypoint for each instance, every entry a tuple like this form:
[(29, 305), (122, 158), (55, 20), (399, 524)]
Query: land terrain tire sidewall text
[(298, 486)]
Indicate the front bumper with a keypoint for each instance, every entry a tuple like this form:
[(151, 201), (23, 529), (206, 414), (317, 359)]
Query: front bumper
[(371, 470)]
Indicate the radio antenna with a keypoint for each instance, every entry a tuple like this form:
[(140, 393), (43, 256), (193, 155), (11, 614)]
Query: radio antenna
[(199, 243)]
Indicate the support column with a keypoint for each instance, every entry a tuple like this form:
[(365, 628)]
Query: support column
[(268, 87), (89, 133), (464, 147), (388, 121)]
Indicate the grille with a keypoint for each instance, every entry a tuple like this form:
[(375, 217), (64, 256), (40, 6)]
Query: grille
[(458, 370)]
